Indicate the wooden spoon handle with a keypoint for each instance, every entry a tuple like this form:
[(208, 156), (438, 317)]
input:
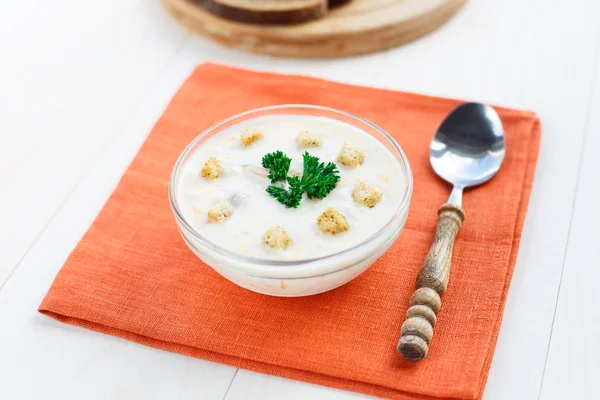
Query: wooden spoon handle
[(425, 303)]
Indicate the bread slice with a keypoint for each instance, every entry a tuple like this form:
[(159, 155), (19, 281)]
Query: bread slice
[(267, 11)]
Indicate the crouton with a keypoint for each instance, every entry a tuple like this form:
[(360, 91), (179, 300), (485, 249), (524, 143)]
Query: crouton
[(250, 136), (220, 211), (351, 155), (332, 222), (309, 139), (212, 169), (365, 194), (276, 237)]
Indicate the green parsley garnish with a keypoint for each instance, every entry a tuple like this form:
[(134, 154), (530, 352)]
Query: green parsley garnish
[(278, 165), (290, 198), (318, 179)]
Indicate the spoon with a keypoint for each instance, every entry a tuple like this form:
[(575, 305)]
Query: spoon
[(467, 150)]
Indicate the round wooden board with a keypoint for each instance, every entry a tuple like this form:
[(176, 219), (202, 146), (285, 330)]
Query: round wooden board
[(361, 26)]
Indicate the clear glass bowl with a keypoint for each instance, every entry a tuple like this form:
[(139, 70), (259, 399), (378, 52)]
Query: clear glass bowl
[(299, 277)]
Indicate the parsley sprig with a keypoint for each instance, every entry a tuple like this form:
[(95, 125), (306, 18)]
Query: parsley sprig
[(318, 179), (290, 198), (278, 165)]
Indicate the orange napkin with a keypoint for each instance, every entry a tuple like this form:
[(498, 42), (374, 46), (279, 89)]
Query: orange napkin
[(132, 275)]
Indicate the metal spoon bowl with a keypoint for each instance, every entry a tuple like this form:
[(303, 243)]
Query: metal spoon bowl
[(467, 150)]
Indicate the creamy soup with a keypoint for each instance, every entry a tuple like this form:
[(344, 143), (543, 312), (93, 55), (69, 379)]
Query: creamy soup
[(227, 167)]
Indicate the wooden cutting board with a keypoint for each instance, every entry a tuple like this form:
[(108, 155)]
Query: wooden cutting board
[(361, 26)]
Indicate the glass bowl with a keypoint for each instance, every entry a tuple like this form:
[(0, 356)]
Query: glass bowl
[(305, 276)]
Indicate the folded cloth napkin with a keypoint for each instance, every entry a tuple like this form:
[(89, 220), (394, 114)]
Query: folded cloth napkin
[(132, 276)]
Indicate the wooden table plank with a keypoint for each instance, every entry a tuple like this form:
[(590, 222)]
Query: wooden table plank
[(573, 360), (252, 385), (70, 75)]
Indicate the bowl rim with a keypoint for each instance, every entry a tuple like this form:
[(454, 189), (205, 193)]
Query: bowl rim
[(278, 265)]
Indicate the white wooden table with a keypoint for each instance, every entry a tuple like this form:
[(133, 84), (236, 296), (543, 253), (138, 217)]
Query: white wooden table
[(81, 84)]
